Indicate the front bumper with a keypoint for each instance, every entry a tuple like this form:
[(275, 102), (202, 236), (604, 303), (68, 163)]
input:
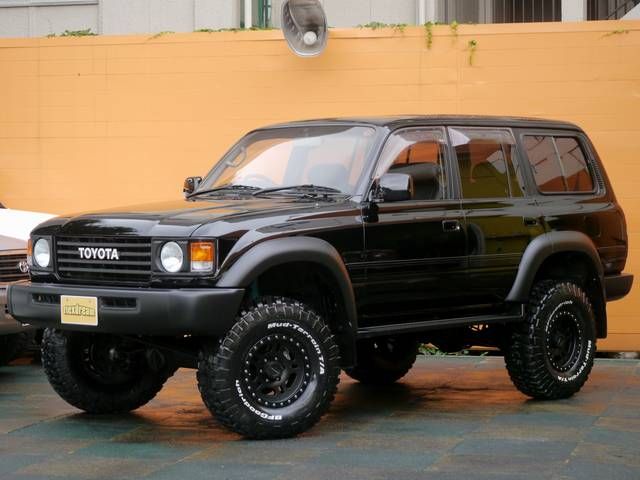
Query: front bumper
[(8, 325), (617, 286), (132, 311)]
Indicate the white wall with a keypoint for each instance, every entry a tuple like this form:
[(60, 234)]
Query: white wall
[(42, 17), (21, 18), (35, 18), (634, 14), (574, 10)]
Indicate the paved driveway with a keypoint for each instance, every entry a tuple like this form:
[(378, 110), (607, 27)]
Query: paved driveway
[(454, 417)]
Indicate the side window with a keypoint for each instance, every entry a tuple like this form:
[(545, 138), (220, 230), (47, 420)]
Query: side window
[(543, 158), (420, 154), (485, 160), (574, 164), (558, 164)]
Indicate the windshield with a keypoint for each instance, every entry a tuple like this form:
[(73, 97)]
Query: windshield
[(322, 156)]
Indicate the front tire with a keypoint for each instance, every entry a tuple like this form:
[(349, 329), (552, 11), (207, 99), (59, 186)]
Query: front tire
[(551, 354), (101, 373), (385, 360), (274, 374)]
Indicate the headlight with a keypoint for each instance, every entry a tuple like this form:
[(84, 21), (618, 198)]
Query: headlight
[(42, 253), (171, 257)]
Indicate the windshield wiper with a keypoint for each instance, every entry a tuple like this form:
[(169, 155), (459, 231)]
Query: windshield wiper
[(225, 188), (309, 190)]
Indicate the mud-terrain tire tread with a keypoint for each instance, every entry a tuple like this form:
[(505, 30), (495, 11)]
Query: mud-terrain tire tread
[(525, 357), (215, 360), (70, 387)]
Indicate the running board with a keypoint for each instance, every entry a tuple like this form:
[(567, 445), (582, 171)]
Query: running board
[(413, 327)]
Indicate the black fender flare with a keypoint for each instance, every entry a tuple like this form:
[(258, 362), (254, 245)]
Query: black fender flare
[(280, 251), (541, 248)]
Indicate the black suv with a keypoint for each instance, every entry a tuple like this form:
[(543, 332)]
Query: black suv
[(320, 245)]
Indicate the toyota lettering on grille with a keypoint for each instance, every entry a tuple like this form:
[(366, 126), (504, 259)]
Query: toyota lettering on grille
[(93, 253)]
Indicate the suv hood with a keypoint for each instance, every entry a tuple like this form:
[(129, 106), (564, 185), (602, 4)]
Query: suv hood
[(184, 218)]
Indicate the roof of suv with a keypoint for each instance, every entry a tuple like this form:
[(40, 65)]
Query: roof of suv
[(396, 121)]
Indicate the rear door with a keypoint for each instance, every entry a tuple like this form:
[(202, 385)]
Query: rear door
[(571, 193), (501, 218)]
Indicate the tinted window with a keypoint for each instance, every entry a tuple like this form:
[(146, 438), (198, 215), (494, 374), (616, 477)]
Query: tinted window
[(544, 162), (418, 153), (328, 156), (485, 160), (574, 164), (558, 164)]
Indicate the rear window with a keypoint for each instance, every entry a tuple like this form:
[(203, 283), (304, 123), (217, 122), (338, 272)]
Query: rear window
[(558, 164)]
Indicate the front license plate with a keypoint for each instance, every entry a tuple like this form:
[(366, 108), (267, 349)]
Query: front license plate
[(79, 310)]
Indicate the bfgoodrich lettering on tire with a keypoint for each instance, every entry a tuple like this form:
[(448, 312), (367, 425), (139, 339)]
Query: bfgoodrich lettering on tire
[(551, 353), (274, 374)]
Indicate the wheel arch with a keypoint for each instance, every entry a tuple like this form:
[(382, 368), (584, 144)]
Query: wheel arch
[(563, 253), (293, 252)]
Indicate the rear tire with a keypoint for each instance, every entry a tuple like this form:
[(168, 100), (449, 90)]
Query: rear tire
[(551, 353), (101, 373), (274, 374), (385, 360)]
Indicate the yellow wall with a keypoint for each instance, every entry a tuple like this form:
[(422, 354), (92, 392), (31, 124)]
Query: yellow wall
[(96, 122)]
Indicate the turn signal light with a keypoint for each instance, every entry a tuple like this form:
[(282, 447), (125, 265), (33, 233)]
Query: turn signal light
[(202, 256), (30, 253)]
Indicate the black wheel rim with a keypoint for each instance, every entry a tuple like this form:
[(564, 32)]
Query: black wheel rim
[(276, 370), (564, 341), (106, 360)]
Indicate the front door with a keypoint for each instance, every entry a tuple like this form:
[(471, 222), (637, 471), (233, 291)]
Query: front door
[(415, 249)]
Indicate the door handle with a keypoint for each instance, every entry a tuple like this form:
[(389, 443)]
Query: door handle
[(530, 221), (450, 225)]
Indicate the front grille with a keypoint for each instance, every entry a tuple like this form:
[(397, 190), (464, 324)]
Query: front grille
[(10, 268), (132, 267)]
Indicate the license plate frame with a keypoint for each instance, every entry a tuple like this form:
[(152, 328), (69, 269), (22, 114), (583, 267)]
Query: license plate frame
[(79, 310)]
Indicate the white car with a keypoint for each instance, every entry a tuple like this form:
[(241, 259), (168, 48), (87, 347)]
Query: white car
[(15, 226)]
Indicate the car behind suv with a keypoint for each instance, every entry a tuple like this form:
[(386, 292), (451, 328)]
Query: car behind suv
[(320, 245), (15, 226)]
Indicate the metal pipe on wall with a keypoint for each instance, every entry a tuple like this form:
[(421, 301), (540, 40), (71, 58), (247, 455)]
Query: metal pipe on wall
[(422, 12), (248, 13)]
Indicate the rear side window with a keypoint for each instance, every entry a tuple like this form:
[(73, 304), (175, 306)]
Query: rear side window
[(486, 164), (558, 164)]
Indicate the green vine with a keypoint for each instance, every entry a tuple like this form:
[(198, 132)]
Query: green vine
[(428, 28), (397, 27), (453, 26), (161, 34), (74, 33), (473, 46), (233, 29), (431, 350), (622, 31)]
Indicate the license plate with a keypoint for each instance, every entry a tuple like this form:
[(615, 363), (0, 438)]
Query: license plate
[(79, 310)]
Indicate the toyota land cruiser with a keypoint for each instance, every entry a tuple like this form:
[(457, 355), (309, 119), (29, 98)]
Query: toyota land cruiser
[(324, 245)]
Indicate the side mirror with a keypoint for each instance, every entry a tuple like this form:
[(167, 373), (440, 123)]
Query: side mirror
[(395, 187), (190, 185)]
